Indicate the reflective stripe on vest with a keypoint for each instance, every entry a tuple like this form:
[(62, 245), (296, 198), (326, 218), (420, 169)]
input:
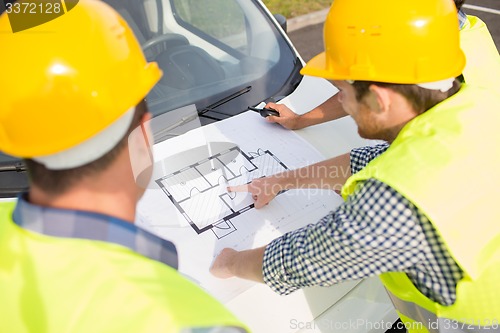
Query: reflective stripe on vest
[(51, 284), (482, 67), (213, 330), (434, 324), (445, 162)]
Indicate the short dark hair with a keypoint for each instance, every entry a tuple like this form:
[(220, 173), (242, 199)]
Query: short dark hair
[(459, 3), (420, 98), (58, 181)]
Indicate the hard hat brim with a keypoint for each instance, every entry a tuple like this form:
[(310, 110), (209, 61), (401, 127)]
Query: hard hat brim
[(317, 66), (91, 149)]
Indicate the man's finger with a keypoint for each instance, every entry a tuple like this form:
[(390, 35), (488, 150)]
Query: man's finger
[(238, 188)]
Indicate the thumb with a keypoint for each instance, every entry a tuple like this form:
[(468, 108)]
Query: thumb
[(272, 119)]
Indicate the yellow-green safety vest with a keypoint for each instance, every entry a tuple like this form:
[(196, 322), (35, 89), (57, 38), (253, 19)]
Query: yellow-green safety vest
[(446, 161), (482, 65), (56, 285)]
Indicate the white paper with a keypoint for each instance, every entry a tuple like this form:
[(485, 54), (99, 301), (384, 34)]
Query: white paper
[(187, 200)]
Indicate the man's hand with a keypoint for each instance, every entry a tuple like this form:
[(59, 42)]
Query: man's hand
[(244, 264), (288, 119), (221, 266), (263, 190), (330, 109)]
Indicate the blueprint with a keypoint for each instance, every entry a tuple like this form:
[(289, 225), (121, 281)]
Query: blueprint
[(199, 191), (187, 201)]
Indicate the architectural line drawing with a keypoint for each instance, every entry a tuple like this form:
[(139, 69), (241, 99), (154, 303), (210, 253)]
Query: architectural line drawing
[(199, 191)]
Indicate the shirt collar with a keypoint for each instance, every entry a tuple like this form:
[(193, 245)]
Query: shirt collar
[(93, 226), (462, 19)]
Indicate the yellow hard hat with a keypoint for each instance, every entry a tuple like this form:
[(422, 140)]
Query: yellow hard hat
[(390, 41), (66, 80)]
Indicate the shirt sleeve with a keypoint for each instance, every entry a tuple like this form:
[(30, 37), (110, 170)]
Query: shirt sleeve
[(375, 231), (360, 157)]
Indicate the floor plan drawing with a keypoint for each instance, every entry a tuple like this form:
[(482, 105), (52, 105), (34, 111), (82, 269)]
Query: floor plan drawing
[(199, 190)]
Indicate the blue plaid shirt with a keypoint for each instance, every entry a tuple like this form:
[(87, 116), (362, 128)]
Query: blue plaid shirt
[(376, 230), (93, 226)]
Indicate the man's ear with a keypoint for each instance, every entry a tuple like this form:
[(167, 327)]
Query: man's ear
[(380, 98), (147, 116), (140, 142), (146, 128)]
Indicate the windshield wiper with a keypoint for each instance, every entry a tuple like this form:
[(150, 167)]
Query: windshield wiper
[(11, 167), (164, 133), (222, 101)]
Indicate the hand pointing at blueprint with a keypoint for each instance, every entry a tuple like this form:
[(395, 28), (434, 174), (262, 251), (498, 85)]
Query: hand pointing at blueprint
[(263, 190)]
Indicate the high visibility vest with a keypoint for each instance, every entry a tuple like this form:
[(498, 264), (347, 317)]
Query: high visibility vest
[(446, 162), (50, 284), (482, 65)]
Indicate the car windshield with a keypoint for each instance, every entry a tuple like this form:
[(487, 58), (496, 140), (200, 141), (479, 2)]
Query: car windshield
[(220, 56), (212, 51)]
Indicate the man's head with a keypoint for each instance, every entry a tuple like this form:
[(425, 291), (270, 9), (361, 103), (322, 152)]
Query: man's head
[(391, 44), (381, 109), (73, 89)]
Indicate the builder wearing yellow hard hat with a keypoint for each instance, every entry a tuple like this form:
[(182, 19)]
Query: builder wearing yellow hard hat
[(422, 213), (73, 94), (482, 68)]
